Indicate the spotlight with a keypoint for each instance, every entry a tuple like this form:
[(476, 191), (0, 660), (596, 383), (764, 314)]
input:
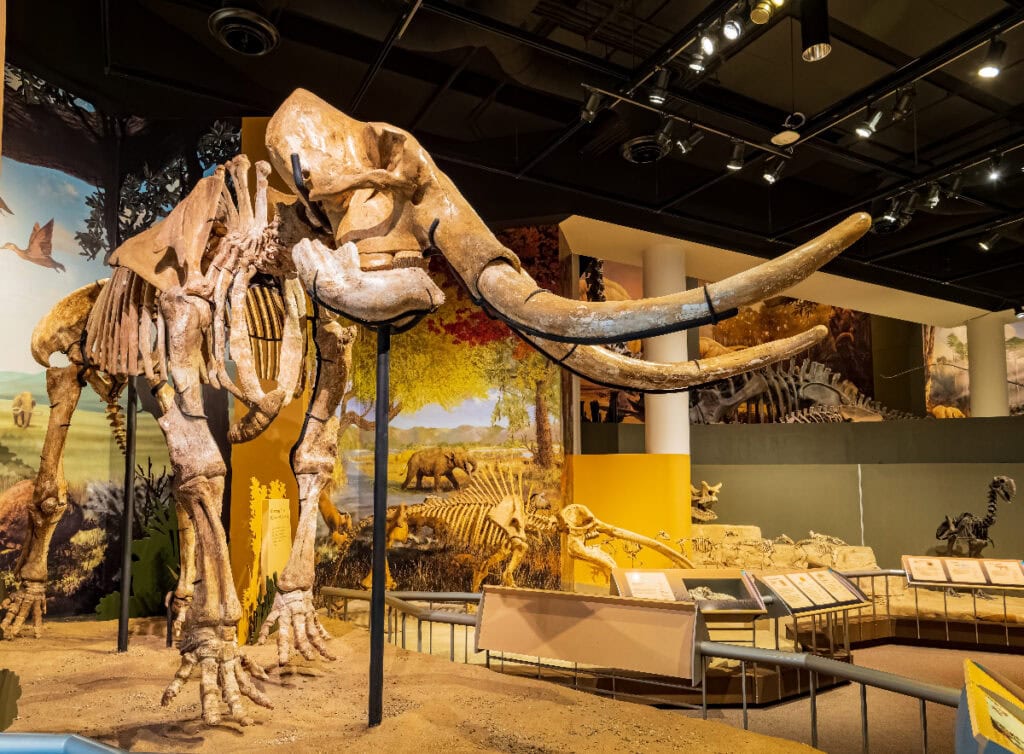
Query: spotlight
[(590, 109), (664, 135), (659, 92), (732, 27), (736, 161), (992, 65), (761, 11), (773, 170), (893, 213), (1018, 311), (903, 105), (987, 244), (954, 188), (910, 206), (686, 145), (707, 44), (869, 125), (995, 169), (814, 36), (697, 63), (934, 196)]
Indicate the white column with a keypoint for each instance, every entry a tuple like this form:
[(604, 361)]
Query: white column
[(667, 422), (986, 350)]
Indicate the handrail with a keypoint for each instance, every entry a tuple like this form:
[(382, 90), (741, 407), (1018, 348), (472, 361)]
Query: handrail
[(944, 695), (53, 743), (396, 602)]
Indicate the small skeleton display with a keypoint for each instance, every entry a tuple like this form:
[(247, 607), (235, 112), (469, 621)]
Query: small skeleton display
[(702, 500), (704, 593), (228, 277), (973, 530)]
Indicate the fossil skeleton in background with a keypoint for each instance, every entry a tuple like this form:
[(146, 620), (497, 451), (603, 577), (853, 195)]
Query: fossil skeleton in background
[(971, 529), (701, 502), (226, 277)]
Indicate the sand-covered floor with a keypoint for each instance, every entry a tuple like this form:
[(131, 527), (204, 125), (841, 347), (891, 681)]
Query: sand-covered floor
[(74, 681)]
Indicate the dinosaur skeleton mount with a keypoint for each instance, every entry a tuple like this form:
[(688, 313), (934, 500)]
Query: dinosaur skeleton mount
[(224, 276), (972, 530)]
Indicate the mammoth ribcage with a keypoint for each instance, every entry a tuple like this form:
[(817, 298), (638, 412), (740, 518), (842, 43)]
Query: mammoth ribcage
[(112, 338), (264, 317)]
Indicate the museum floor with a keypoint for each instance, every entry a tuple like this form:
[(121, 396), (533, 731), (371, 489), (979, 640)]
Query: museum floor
[(74, 681), (893, 719)]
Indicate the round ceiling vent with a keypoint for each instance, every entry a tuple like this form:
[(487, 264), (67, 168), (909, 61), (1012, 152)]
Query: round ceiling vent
[(644, 150), (244, 31)]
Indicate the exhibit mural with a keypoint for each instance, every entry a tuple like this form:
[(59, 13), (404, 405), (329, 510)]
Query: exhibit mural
[(946, 356), (492, 415), (56, 225)]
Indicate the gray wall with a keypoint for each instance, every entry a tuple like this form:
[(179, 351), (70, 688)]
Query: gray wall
[(793, 478)]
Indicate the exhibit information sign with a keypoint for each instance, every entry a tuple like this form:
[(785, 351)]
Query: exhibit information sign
[(966, 572), (814, 590), (649, 585), (991, 714)]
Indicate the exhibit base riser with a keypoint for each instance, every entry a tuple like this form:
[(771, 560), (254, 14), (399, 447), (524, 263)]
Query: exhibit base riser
[(766, 685), (952, 634)]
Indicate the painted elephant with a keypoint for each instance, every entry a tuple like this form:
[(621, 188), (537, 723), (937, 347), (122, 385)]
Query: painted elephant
[(22, 407), (437, 463)]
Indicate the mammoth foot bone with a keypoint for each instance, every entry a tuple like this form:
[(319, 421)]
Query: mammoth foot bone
[(297, 623), (225, 674), (29, 600)]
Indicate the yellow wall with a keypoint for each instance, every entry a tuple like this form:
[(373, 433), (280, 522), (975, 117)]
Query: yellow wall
[(267, 457), (645, 493)]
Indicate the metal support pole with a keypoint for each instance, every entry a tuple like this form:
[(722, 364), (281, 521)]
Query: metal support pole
[(814, 709), (127, 517), (924, 726), (380, 512), (864, 718)]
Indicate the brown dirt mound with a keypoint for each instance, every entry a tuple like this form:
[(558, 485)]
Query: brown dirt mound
[(73, 681)]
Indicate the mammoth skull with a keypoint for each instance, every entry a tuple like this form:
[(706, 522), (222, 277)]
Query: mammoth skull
[(376, 203)]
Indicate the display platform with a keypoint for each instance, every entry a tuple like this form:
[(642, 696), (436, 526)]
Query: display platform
[(428, 701)]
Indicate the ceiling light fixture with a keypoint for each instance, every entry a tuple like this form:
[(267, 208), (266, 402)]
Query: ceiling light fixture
[(658, 93), (732, 27), (761, 11), (736, 161), (904, 105), (992, 65), (866, 129), (773, 170), (995, 169), (686, 145), (953, 191), (697, 63), (987, 244), (590, 109), (707, 44), (814, 35), (934, 196), (893, 213), (1018, 311), (664, 135)]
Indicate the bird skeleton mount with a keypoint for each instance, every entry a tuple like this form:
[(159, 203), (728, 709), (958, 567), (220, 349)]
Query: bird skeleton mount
[(224, 276)]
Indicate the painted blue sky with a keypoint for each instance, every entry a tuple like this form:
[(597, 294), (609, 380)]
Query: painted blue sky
[(28, 291)]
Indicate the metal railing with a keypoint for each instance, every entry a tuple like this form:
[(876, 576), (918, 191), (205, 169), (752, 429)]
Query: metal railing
[(403, 605)]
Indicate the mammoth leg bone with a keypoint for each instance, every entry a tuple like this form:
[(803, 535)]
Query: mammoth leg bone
[(332, 277), (313, 461), (209, 638), (614, 370), (49, 501), (526, 307)]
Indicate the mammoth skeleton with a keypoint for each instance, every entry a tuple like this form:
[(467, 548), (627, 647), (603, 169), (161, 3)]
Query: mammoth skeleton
[(226, 276)]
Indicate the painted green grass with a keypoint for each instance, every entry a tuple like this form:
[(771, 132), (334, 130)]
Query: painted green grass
[(91, 452)]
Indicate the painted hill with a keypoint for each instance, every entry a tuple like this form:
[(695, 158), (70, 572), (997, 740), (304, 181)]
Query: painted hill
[(462, 435), (12, 383)]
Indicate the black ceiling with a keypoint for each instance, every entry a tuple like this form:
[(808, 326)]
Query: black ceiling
[(494, 89)]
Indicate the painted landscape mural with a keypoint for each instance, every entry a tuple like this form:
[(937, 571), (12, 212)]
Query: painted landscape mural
[(475, 413), (57, 223)]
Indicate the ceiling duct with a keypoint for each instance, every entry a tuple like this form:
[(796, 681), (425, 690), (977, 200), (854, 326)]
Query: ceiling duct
[(643, 150)]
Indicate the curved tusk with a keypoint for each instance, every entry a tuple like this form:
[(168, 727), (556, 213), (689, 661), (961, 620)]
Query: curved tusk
[(622, 372), (652, 544), (516, 298)]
